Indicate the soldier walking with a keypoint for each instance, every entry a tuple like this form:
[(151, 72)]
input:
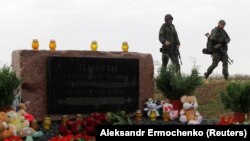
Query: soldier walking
[(170, 43), (219, 40)]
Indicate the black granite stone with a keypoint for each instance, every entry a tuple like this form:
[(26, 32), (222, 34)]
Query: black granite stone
[(86, 84)]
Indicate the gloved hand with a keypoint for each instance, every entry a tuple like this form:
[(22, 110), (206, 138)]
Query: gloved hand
[(178, 46), (167, 43), (217, 46)]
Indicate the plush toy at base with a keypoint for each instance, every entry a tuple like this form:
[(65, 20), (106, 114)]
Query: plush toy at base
[(168, 108), (20, 126), (22, 111), (16, 122), (4, 131), (152, 105), (189, 113)]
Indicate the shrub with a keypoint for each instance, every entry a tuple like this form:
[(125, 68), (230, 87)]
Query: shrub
[(8, 83), (174, 85), (237, 96)]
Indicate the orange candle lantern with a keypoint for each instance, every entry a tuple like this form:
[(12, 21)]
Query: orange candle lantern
[(35, 44), (52, 45), (65, 119), (78, 117), (138, 115)]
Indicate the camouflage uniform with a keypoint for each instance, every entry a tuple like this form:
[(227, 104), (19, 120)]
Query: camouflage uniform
[(168, 33), (220, 39)]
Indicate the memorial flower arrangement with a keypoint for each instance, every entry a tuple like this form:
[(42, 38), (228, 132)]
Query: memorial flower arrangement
[(70, 137), (85, 127), (14, 138), (118, 118), (227, 120)]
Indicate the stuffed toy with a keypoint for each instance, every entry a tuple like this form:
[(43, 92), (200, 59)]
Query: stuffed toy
[(3, 120), (168, 108), (22, 112), (29, 133), (20, 126), (16, 122), (5, 132), (152, 105), (26, 131), (189, 113)]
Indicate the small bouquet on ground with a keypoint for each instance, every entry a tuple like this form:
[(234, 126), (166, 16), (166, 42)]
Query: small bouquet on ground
[(70, 137)]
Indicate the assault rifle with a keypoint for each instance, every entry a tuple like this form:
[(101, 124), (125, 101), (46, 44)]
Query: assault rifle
[(208, 50), (179, 55)]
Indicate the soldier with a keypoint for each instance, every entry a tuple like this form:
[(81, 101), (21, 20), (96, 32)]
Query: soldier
[(219, 39), (170, 43)]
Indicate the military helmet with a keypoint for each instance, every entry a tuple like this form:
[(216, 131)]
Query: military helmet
[(168, 17), (222, 22)]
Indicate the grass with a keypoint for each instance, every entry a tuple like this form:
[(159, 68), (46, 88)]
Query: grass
[(232, 77), (210, 105), (208, 98)]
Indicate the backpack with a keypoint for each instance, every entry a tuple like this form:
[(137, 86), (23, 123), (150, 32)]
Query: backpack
[(209, 47)]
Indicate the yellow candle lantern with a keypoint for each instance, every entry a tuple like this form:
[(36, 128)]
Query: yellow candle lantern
[(94, 46), (125, 46), (52, 45), (35, 44), (47, 123), (152, 115)]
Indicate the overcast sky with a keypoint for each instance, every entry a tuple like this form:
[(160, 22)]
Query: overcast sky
[(75, 23)]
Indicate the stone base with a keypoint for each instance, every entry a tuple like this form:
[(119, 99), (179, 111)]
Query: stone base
[(31, 67)]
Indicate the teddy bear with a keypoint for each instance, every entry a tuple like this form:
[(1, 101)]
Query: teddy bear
[(189, 113), (152, 105), (22, 111), (5, 132)]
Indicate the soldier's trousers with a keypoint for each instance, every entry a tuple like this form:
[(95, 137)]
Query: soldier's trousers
[(216, 59), (174, 59)]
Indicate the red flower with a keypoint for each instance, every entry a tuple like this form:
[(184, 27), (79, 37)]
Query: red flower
[(29, 117), (76, 128), (14, 138), (90, 130), (89, 121), (89, 138), (227, 120), (101, 117), (63, 130)]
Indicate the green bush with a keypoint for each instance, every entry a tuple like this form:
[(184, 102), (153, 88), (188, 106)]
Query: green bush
[(8, 83), (237, 97), (174, 85)]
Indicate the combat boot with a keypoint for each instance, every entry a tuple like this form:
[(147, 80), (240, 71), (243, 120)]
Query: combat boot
[(226, 77), (206, 75)]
